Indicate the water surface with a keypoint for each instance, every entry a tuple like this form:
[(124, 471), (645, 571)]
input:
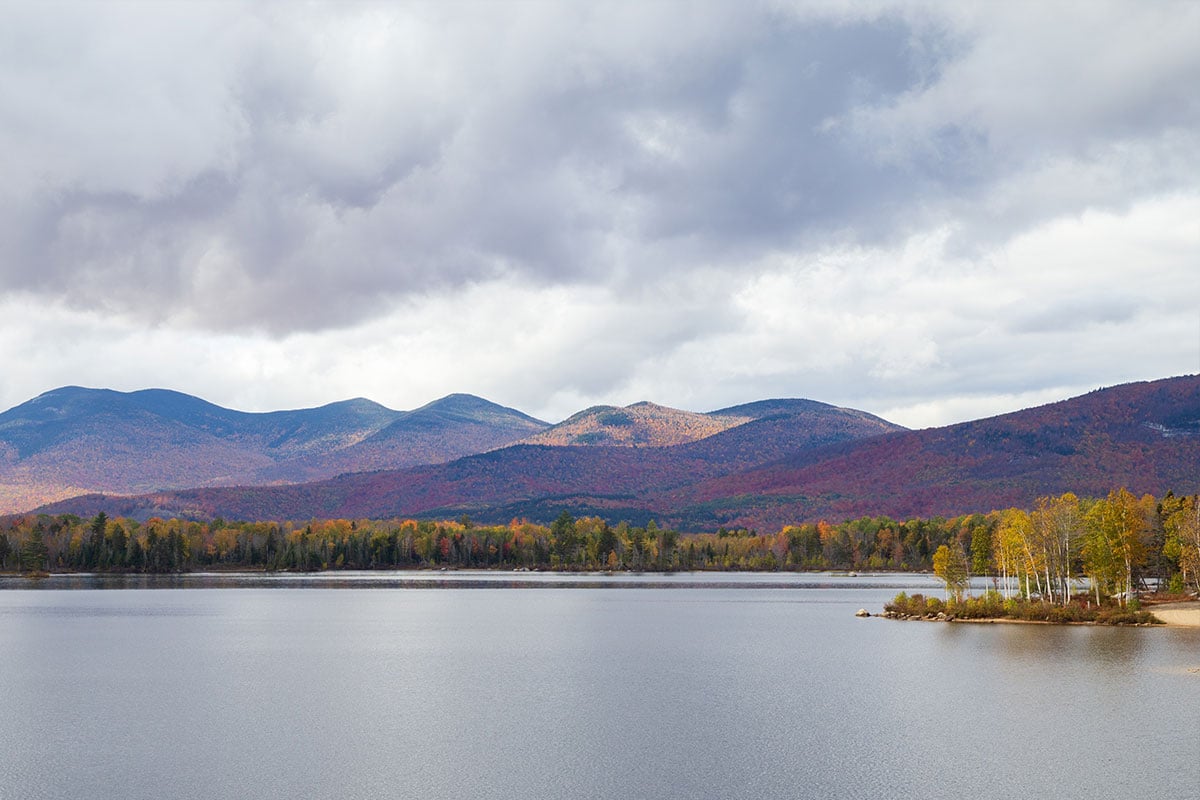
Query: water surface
[(701, 686)]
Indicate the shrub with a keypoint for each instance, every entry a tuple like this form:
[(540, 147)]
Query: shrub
[(1069, 613), (898, 605), (992, 606), (1113, 615), (987, 606), (918, 605)]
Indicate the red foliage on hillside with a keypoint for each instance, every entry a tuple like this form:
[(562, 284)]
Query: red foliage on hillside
[(776, 470)]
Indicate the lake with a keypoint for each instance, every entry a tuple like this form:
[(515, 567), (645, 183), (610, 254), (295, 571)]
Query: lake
[(529, 685)]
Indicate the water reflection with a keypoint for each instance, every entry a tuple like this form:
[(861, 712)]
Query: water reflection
[(1033, 647)]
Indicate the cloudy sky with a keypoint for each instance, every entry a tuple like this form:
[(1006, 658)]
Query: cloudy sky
[(930, 211)]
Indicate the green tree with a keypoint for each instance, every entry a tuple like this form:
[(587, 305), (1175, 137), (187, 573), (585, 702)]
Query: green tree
[(34, 551), (606, 545), (562, 531), (118, 543), (95, 551), (1183, 538), (981, 550)]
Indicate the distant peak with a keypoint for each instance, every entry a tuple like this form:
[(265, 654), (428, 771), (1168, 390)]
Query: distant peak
[(358, 404), (462, 397), (463, 405), (64, 391), (457, 401), (641, 424)]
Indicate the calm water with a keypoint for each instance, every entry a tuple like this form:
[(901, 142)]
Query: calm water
[(370, 686)]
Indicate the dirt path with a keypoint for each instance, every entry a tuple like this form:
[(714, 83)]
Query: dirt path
[(1186, 614)]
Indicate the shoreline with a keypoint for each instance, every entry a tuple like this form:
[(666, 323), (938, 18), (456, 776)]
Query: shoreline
[(1011, 621), (1182, 614)]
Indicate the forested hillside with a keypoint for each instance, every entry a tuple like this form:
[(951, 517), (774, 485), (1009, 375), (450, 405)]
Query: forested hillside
[(523, 480), (803, 464), (1144, 436), (74, 440), (641, 424)]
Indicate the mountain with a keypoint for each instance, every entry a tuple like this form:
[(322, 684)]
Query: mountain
[(1142, 436), (641, 424), (647, 424), (532, 480), (446, 429), (73, 439), (793, 461)]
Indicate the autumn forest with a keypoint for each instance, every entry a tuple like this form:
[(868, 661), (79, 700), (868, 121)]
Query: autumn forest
[(1119, 543)]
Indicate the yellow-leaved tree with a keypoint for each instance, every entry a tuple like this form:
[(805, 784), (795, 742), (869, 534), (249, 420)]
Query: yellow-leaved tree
[(950, 564), (1115, 542)]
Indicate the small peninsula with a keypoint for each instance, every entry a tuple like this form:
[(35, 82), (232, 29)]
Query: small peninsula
[(993, 607)]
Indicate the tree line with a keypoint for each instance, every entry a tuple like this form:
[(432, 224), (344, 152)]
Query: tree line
[(67, 542), (1118, 543)]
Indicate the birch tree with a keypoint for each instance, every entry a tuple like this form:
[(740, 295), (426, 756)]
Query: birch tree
[(1114, 546), (1009, 549), (1057, 526), (1183, 536)]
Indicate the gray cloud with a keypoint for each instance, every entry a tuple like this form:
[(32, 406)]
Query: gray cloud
[(327, 155), (707, 203)]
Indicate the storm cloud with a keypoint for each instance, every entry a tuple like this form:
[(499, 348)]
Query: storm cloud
[(927, 210)]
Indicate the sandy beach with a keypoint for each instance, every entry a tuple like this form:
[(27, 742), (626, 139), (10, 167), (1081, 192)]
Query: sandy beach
[(1186, 614)]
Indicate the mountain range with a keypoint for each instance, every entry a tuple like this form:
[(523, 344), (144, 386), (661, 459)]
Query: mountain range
[(74, 440), (759, 465)]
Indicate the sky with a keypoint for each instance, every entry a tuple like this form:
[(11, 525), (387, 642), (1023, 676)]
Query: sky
[(930, 211)]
